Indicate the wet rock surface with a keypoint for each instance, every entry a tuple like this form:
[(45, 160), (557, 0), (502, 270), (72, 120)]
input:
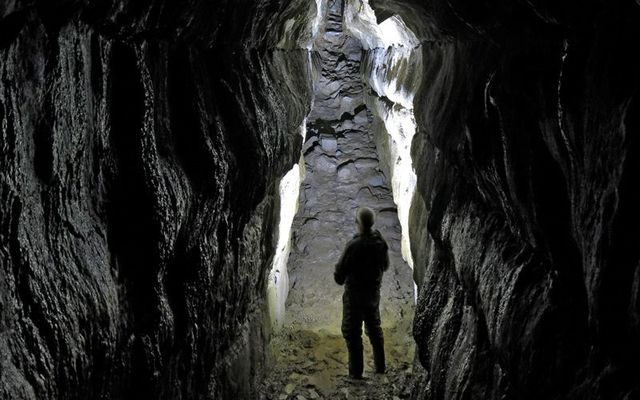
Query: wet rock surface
[(342, 173)]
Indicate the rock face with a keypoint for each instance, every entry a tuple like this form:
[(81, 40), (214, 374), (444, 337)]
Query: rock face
[(524, 217), (141, 149)]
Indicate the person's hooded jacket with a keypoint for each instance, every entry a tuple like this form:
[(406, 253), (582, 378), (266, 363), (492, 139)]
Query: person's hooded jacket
[(363, 262)]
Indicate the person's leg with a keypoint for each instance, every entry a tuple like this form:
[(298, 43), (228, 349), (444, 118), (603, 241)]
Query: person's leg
[(374, 331), (352, 333)]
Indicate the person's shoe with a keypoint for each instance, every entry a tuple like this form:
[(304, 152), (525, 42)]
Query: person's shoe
[(380, 370), (356, 377)]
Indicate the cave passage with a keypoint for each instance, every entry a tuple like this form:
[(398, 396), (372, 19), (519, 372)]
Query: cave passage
[(149, 225), (342, 171)]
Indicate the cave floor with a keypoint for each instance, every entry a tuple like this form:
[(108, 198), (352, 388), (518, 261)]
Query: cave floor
[(309, 355)]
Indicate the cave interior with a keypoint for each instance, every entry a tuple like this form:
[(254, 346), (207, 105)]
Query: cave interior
[(177, 180)]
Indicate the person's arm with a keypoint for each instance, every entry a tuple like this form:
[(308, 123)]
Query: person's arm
[(385, 259), (342, 267)]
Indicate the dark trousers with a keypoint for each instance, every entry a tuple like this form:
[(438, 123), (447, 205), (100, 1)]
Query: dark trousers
[(359, 307)]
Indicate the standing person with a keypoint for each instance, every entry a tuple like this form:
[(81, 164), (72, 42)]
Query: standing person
[(360, 269)]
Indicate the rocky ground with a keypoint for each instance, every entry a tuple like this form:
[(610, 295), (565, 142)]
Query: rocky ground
[(311, 364), (309, 356)]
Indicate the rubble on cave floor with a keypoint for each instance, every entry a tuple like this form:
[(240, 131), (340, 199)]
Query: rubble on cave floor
[(312, 364)]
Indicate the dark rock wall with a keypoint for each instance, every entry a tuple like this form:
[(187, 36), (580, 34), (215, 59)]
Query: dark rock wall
[(524, 221), (142, 143)]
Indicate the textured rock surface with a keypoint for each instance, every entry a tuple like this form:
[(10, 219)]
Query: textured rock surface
[(524, 218), (141, 148), (393, 75)]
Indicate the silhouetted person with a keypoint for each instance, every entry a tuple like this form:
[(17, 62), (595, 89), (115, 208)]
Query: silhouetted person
[(360, 269)]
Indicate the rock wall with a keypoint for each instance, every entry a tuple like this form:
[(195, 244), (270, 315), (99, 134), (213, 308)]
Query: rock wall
[(142, 144), (524, 220), (393, 75)]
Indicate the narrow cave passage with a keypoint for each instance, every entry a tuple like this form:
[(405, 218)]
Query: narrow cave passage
[(342, 172)]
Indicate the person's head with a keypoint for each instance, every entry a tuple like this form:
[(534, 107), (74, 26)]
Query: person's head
[(364, 219)]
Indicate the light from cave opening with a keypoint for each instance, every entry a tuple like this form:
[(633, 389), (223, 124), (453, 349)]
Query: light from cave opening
[(278, 282), (278, 287)]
